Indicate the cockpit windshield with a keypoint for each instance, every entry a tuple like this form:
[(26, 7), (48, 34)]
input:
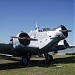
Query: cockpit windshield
[(44, 29)]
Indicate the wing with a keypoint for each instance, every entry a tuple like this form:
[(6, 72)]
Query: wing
[(5, 48), (61, 46)]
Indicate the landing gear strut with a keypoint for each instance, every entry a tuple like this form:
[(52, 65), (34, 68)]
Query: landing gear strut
[(49, 58), (26, 59)]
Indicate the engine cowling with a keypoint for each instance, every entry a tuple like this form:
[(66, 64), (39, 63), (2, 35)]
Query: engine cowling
[(63, 44), (61, 32), (26, 41), (64, 32)]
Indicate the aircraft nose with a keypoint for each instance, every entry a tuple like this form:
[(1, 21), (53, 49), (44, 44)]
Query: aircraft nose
[(64, 30)]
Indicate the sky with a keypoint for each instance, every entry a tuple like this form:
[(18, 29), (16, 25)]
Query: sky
[(22, 15)]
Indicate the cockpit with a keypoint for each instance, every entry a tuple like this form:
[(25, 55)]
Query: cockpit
[(42, 29)]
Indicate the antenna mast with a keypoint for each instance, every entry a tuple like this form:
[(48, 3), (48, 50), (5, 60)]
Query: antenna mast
[(36, 25), (37, 28)]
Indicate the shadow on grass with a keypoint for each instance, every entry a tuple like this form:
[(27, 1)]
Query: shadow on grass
[(65, 60), (39, 63)]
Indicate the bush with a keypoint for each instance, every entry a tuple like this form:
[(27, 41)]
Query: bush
[(70, 53)]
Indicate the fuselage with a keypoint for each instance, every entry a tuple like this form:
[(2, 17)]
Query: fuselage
[(46, 39), (37, 41)]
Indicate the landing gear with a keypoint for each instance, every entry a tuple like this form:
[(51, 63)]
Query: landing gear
[(26, 59), (49, 58)]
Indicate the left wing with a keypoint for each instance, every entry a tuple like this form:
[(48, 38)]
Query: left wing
[(6, 48)]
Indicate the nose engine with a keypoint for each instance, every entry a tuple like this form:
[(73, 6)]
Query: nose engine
[(64, 30)]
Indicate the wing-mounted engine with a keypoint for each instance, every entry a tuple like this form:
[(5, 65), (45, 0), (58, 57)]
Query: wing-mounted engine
[(24, 38), (61, 45)]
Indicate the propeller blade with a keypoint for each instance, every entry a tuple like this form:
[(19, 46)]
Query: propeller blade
[(32, 39), (17, 37), (65, 30)]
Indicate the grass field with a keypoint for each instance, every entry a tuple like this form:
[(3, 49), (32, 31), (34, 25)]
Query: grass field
[(62, 65)]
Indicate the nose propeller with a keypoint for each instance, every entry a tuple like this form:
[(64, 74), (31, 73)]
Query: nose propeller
[(64, 30)]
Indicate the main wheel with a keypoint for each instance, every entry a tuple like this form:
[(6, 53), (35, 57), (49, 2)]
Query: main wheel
[(26, 58), (49, 59), (24, 61)]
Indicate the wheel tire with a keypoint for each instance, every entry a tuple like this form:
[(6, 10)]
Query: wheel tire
[(24, 61), (49, 59)]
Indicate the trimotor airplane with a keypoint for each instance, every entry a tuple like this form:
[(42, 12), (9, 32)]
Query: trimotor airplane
[(39, 41)]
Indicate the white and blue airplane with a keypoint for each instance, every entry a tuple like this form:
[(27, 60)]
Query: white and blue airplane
[(39, 41)]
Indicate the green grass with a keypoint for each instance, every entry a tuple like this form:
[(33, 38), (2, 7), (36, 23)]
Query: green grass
[(62, 65)]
